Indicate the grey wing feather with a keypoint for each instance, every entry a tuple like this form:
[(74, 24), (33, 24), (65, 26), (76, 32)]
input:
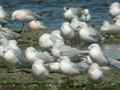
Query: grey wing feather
[(45, 56), (69, 51), (9, 34), (115, 63)]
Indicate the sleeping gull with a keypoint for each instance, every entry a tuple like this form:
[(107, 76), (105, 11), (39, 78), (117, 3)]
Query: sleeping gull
[(53, 66), (39, 71), (47, 40), (9, 34), (71, 68), (33, 55), (108, 27), (97, 55), (94, 72), (22, 14), (60, 49)]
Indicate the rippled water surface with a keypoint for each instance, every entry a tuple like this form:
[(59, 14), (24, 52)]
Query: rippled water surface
[(51, 11)]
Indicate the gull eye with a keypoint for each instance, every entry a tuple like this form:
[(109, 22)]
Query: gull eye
[(66, 8), (91, 47)]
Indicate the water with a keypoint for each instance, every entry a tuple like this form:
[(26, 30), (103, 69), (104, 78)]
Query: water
[(51, 11)]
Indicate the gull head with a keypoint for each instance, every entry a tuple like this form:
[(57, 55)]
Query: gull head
[(36, 25), (10, 56), (55, 52), (2, 50), (12, 43), (57, 34), (66, 8), (30, 54), (70, 13), (85, 15), (105, 26), (3, 41), (114, 8), (29, 49), (45, 41), (93, 46)]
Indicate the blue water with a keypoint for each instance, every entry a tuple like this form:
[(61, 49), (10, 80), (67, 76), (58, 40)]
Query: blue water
[(51, 11)]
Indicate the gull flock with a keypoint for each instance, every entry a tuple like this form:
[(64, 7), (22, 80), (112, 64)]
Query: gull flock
[(56, 56)]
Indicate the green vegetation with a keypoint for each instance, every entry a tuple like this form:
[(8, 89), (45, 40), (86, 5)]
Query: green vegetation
[(111, 81)]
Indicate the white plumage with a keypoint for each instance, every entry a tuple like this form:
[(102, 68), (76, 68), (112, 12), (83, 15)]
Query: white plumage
[(97, 54), (39, 71)]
